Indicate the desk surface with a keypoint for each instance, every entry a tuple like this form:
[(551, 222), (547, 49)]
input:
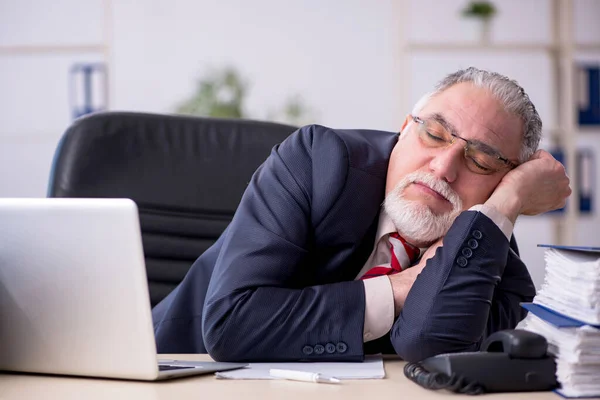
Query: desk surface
[(394, 386)]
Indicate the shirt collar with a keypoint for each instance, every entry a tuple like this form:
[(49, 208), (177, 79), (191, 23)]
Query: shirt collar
[(385, 225)]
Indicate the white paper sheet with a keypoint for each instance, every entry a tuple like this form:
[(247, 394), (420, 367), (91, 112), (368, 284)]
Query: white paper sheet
[(371, 368)]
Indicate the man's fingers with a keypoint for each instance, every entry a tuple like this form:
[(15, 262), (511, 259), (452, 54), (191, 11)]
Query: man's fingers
[(540, 154)]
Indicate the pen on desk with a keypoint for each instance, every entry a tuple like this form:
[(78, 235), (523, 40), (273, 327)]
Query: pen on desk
[(302, 376)]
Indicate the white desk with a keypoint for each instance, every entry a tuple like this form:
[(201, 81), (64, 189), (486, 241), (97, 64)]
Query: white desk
[(394, 387)]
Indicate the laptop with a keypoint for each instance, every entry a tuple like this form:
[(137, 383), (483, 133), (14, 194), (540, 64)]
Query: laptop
[(73, 292)]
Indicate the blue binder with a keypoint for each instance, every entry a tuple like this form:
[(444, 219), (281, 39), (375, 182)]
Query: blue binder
[(589, 114)]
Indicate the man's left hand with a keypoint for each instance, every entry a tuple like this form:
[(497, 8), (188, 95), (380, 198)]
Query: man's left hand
[(534, 187)]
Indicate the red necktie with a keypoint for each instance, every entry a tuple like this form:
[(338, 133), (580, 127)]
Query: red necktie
[(401, 252)]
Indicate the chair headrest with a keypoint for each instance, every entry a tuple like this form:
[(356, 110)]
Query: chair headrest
[(162, 161)]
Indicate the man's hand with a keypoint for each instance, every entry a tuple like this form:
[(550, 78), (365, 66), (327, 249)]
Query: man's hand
[(403, 281), (534, 187)]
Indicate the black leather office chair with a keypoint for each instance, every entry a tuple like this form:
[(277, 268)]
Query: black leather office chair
[(186, 174)]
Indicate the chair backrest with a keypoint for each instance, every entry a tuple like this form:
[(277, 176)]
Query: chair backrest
[(186, 174)]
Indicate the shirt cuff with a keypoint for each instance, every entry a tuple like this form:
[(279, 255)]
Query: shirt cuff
[(498, 218), (379, 308)]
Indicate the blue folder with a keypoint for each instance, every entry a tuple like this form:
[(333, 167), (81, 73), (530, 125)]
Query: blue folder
[(554, 317), (585, 249)]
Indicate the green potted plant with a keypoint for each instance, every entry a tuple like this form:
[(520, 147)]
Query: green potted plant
[(222, 94), (482, 11)]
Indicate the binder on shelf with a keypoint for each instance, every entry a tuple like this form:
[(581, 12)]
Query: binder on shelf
[(88, 88), (559, 155), (585, 165), (588, 93), (586, 179)]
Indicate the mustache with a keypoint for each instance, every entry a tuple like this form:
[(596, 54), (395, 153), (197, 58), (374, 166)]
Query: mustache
[(435, 184)]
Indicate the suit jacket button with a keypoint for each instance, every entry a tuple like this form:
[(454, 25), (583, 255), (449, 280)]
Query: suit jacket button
[(341, 347), (308, 350), (461, 261), (330, 348), (319, 349), (473, 243), (477, 234), (467, 252)]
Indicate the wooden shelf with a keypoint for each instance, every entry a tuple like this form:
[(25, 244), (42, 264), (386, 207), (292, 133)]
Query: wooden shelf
[(51, 49), (587, 47), (588, 129), (497, 47)]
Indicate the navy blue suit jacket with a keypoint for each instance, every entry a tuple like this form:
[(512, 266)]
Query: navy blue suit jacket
[(279, 283)]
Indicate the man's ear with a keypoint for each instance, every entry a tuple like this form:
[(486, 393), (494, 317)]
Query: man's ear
[(405, 123)]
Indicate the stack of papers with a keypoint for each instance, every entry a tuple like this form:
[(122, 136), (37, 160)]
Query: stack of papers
[(566, 311), (577, 351), (572, 283)]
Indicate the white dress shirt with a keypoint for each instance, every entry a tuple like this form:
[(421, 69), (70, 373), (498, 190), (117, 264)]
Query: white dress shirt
[(379, 298)]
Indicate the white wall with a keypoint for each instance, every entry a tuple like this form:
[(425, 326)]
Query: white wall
[(341, 57)]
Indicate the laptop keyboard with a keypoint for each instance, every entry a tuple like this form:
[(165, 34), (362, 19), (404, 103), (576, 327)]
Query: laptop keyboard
[(171, 367)]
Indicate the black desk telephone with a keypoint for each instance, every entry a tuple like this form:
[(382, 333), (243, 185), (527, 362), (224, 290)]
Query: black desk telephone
[(510, 361)]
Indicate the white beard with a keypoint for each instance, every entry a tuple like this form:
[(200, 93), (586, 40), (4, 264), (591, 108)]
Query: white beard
[(416, 222)]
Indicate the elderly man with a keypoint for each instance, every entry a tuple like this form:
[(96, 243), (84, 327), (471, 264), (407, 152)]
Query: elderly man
[(349, 242)]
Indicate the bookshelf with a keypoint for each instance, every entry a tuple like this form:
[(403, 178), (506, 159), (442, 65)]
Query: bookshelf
[(51, 49)]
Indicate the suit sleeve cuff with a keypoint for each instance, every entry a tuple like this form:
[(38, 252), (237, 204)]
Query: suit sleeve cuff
[(497, 218), (379, 307)]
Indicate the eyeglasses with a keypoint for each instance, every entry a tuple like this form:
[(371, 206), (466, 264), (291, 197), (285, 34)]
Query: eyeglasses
[(480, 158)]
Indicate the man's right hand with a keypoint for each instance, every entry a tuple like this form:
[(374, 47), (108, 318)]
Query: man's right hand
[(403, 281), (534, 187)]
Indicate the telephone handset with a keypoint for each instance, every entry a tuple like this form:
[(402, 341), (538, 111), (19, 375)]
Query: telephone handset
[(509, 361)]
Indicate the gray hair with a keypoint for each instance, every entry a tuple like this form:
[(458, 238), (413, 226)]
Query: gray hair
[(508, 92)]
